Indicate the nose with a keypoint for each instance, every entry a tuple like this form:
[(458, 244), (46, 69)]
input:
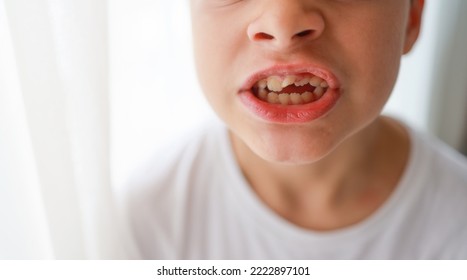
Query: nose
[(285, 24)]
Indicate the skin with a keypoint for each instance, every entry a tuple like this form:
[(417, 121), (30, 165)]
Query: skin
[(338, 169)]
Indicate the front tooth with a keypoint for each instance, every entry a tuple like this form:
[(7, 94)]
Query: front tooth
[(307, 97), (302, 82), (274, 83), (289, 80), (324, 84), (273, 98), (263, 84), (284, 98), (315, 81), (296, 98), (318, 92)]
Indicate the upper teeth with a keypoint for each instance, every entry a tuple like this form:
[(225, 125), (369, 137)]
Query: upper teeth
[(277, 83), (274, 83), (271, 89)]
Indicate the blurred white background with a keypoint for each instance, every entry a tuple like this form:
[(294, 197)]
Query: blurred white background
[(90, 88), (155, 95)]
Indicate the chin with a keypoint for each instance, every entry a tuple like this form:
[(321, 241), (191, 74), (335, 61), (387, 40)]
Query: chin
[(288, 154)]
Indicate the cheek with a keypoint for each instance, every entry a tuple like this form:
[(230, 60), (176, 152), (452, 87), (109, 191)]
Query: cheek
[(372, 67), (208, 55), (215, 53)]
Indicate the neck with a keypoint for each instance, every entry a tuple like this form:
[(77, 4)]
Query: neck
[(343, 188)]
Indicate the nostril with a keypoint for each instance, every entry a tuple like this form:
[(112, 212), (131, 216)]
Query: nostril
[(263, 36), (303, 33)]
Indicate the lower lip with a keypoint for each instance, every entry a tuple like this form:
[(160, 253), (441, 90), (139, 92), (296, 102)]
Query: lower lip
[(288, 114)]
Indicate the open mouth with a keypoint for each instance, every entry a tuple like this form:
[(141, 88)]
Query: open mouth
[(290, 89), (290, 94)]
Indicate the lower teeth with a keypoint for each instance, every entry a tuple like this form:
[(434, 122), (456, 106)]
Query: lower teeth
[(289, 98)]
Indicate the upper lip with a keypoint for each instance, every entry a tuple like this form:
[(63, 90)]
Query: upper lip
[(292, 69)]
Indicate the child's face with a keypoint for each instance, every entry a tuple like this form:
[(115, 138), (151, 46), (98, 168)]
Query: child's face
[(350, 49)]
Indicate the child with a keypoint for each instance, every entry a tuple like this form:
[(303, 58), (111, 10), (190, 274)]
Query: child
[(303, 166)]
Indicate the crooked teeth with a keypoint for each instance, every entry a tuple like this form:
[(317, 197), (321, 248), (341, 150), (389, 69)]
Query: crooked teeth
[(277, 83), (315, 81), (292, 98), (302, 82), (289, 80)]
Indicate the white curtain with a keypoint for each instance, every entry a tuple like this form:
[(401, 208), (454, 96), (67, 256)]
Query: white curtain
[(55, 195), (448, 118), (86, 93), (431, 93)]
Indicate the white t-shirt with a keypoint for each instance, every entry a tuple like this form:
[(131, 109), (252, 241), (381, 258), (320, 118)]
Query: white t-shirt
[(192, 202)]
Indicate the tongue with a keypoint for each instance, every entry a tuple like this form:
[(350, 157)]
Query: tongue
[(298, 89)]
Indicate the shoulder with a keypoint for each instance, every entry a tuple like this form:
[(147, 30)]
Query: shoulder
[(176, 161), (444, 166), (440, 201), (156, 198)]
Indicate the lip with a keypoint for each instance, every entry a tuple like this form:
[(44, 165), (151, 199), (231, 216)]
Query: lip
[(290, 114)]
